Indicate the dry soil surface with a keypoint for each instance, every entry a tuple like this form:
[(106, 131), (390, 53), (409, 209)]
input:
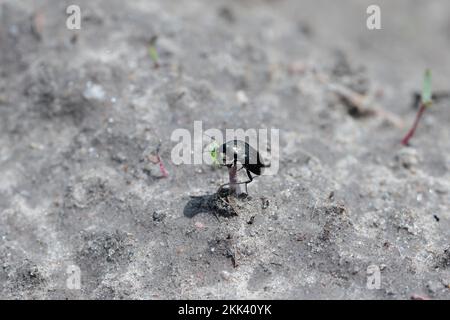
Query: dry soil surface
[(82, 113)]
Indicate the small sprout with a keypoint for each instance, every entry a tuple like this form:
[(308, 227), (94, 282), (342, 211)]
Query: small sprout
[(153, 53), (214, 153), (426, 101)]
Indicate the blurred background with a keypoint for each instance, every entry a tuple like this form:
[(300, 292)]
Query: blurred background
[(86, 115)]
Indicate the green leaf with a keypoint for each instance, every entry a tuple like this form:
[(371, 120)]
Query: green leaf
[(214, 153), (426, 91), (153, 53)]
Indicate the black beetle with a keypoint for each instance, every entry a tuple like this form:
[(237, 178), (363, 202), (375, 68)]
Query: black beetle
[(236, 151)]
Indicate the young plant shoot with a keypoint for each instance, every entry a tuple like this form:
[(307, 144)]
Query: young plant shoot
[(426, 101), (214, 153), (153, 53)]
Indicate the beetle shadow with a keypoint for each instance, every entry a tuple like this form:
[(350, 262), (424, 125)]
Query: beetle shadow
[(198, 204), (209, 203)]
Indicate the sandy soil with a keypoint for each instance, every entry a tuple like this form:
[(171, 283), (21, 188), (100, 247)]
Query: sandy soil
[(83, 111)]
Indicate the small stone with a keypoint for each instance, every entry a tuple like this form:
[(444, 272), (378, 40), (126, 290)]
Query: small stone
[(36, 146), (242, 98), (434, 286), (158, 216), (153, 170), (419, 197), (94, 92), (407, 158), (265, 203), (119, 157), (225, 275)]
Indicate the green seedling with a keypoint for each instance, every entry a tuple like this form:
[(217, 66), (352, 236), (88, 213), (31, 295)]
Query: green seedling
[(426, 101), (214, 152), (153, 53)]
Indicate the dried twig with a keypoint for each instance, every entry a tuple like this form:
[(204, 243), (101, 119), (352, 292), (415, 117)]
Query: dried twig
[(363, 106)]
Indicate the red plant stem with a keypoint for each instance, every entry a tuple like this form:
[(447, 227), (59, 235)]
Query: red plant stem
[(161, 167), (232, 174), (405, 140)]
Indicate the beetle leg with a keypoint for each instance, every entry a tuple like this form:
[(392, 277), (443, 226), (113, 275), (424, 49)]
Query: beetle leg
[(221, 187), (250, 179), (247, 182)]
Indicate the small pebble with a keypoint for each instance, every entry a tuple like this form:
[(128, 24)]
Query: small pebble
[(225, 275), (407, 158), (158, 216), (242, 97), (94, 92)]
